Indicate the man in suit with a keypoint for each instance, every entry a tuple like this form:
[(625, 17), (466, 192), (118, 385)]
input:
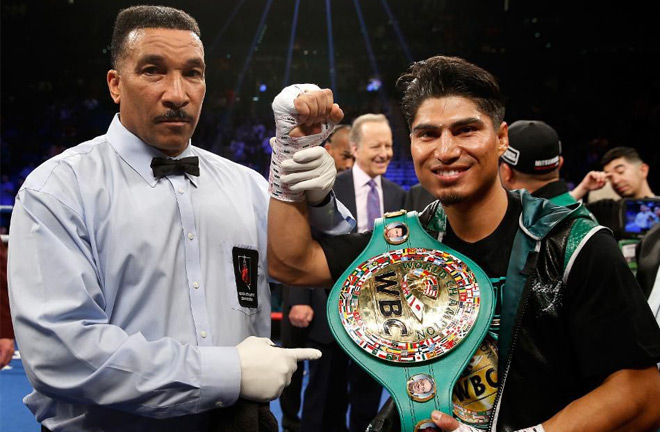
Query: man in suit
[(371, 137), (299, 304), (334, 381)]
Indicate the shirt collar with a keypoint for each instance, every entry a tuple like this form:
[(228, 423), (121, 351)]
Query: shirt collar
[(361, 178), (139, 154), (551, 189)]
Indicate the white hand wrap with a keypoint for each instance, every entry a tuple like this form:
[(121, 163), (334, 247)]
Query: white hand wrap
[(538, 428), (266, 369), (465, 428), (284, 146)]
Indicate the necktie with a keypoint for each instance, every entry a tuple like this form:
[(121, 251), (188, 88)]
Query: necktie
[(163, 166), (373, 204)]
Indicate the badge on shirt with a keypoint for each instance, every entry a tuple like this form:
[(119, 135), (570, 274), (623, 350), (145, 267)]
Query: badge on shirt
[(245, 271)]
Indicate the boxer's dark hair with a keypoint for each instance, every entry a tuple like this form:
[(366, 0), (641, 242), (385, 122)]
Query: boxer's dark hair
[(146, 16), (442, 76)]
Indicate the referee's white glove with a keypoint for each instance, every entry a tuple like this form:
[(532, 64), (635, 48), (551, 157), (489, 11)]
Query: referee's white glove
[(311, 170), (266, 368), (448, 423)]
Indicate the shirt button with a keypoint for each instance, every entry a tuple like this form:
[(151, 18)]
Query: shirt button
[(195, 285), (191, 236), (203, 334), (219, 404), (181, 190)]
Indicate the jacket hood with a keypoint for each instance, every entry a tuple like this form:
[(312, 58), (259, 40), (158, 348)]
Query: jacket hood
[(540, 216)]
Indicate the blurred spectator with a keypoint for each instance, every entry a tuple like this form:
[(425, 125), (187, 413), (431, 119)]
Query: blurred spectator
[(626, 172), (7, 190), (533, 160), (339, 147)]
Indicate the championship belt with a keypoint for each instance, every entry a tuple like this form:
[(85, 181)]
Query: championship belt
[(412, 312)]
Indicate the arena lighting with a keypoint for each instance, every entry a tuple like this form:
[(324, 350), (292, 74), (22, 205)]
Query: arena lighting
[(289, 54), (331, 48), (246, 64), (218, 37), (372, 57), (253, 46), (374, 84), (397, 30)]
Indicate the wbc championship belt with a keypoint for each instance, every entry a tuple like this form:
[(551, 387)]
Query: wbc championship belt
[(413, 312)]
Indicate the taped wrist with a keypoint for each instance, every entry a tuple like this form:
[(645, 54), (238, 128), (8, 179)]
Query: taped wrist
[(465, 428), (284, 146), (537, 428)]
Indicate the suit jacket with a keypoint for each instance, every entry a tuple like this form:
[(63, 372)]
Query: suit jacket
[(418, 198), (394, 196), (318, 329)]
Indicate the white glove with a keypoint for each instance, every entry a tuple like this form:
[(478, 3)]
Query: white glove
[(266, 369), (312, 171), (285, 146)]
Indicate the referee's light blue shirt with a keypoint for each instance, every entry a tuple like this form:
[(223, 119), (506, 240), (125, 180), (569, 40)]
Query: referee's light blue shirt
[(123, 289)]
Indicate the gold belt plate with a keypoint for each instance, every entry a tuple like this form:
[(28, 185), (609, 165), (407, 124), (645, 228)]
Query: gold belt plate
[(409, 305)]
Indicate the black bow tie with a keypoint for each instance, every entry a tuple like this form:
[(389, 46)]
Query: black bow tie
[(163, 166)]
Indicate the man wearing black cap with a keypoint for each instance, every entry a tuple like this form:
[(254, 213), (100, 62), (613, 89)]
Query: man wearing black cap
[(533, 161)]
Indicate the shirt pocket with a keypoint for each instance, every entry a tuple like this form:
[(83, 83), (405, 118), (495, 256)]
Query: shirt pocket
[(246, 279)]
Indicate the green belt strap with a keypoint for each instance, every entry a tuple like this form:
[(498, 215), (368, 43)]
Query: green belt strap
[(389, 367)]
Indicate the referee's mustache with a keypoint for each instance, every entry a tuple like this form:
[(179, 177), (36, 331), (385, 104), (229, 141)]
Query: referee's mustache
[(174, 115)]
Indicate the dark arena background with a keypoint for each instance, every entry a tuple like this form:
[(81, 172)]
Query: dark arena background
[(586, 68)]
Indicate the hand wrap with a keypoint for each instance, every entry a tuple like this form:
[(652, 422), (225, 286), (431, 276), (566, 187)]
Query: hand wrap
[(465, 428), (284, 146)]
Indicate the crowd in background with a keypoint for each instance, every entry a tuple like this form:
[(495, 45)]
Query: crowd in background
[(57, 124), (54, 124), (27, 141)]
